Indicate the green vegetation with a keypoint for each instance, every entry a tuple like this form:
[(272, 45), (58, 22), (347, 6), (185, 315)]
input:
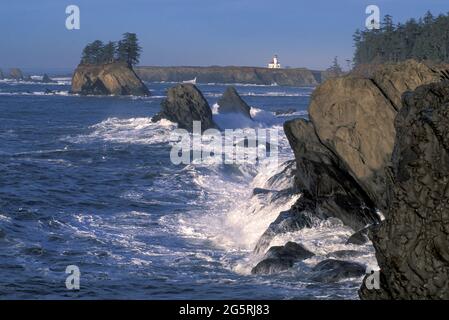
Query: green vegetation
[(423, 39), (126, 50)]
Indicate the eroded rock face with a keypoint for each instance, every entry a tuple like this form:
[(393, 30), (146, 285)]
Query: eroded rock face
[(185, 104), (412, 244), (281, 258), (231, 102), (354, 120), (107, 79), (2, 76), (324, 180)]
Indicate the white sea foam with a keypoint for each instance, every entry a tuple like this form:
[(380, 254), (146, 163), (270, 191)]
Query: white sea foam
[(134, 130)]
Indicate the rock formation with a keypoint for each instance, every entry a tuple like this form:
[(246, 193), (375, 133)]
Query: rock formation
[(412, 244), (2, 76), (16, 74), (281, 258), (332, 270), (185, 104), (47, 79), (343, 153), (231, 102), (296, 77), (107, 79)]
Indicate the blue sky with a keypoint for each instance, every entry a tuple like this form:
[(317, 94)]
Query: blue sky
[(195, 32)]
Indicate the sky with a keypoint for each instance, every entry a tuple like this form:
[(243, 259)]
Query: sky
[(195, 32)]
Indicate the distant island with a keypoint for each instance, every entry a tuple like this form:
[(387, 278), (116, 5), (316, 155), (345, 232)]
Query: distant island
[(107, 69)]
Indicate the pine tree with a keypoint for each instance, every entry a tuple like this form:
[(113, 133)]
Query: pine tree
[(128, 49)]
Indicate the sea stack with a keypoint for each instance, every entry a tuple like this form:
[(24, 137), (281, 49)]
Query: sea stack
[(231, 102), (185, 104), (116, 78), (16, 74)]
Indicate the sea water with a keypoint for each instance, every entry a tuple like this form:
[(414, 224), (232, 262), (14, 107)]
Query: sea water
[(88, 181)]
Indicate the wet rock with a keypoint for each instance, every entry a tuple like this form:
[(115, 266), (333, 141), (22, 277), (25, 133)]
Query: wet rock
[(344, 254), (47, 79), (281, 258), (281, 112), (360, 237), (185, 104), (231, 102), (298, 217), (335, 270)]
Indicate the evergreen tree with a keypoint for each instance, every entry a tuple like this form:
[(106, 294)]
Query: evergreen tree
[(425, 39), (128, 49)]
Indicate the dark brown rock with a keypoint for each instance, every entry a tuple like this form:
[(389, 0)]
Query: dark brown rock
[(412, 244), (280, 258), (185, 104), (231, 102)]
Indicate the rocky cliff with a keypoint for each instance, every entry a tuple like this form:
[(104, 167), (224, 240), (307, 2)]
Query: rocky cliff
[(107, 79), (343, 152), (366, 149), (247, 75), (412, 244)]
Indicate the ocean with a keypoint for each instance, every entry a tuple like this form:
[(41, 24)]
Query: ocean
[(88, 181)]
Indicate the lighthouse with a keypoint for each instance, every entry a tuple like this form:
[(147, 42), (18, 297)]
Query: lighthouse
[(274, 64)]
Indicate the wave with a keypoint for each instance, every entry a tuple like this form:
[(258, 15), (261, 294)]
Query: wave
[(134, 130), (38, 93), (58, 82)]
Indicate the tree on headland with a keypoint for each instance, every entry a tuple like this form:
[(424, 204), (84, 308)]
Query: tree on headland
[(423, 39), (335, 69), (126, 50)]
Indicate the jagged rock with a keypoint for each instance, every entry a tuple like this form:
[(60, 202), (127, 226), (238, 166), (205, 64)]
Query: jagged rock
[(284, 112), (16, 74), (360, 237), (412, 243), (116, 78), (298, 217), (185, 104), (332, 270), (47, 79), (344, 254), (231, 102), (321, 177), (280, 258), (2, 76)]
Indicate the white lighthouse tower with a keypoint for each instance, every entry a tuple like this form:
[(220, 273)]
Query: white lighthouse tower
[(274, 64)]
